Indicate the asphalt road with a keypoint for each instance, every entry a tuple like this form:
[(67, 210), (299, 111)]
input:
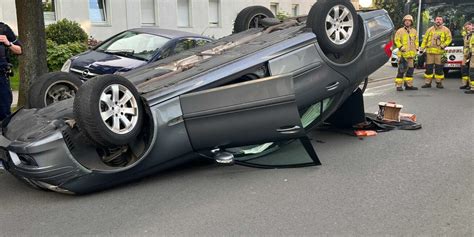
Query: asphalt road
[(397, 183)]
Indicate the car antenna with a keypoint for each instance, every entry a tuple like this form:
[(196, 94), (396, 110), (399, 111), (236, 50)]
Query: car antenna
[(204, 31)]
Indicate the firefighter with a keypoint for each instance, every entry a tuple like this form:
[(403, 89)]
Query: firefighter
[(436, 39), (471, 64), (467, 32), (406, 40)]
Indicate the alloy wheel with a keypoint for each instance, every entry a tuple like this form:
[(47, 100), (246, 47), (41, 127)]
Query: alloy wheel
[(118, 109), (339, 24)]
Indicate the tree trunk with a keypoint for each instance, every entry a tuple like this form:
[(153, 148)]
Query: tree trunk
[(32, 36)]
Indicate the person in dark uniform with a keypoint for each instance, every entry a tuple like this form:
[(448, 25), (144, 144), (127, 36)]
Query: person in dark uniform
[(8, 44)]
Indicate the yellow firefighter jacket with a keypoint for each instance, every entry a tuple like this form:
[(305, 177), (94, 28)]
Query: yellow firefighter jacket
[(471, 47), (436, 39), (467, 38), (406, 40)]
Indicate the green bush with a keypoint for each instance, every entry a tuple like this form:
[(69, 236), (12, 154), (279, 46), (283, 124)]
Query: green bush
[(65, 31), (15, 80), (14, 60), (48, 6), (59, 53), (282, 15)]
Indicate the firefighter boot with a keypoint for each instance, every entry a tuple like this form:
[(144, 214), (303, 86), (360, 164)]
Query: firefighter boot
[(465, 77), (428, 80), (439, 76), (465, 83), (399, 83), (428, 76), (426, 85), (471, 91), (409, 84), (465, 87)]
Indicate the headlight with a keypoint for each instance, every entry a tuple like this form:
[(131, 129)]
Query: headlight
[(66, 66)]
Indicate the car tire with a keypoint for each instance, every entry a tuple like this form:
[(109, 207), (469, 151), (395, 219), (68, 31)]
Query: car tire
[(330, 34), (109, 111), (248, 18), (53, 87)]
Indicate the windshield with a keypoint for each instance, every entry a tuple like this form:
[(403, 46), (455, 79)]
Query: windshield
[(134, 45), (455, 15)]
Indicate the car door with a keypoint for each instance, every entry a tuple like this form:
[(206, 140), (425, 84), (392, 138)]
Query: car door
[(247, 113), (314, 79)]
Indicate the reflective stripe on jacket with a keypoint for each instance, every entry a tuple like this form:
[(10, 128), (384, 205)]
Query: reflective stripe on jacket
[(436, 39), (467, 37), (407, 39)]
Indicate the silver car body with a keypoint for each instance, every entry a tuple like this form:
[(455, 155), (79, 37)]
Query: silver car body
[(201, 108)]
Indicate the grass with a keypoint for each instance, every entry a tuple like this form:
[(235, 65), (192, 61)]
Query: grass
[(15, 80)]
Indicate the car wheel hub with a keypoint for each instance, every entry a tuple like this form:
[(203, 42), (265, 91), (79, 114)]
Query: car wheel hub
[(59, 91), (255, 21), (118, 109), (339, 24)]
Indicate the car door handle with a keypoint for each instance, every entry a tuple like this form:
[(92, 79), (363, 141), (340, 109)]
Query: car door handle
[(333, 86), (289, 130)]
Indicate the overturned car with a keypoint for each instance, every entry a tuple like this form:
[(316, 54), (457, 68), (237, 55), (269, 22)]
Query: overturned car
[(266, 85)]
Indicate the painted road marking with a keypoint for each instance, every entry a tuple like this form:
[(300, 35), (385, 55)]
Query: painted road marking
[(378, 90)]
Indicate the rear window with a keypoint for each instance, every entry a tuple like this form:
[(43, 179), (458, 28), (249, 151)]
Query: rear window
[(379, 25)]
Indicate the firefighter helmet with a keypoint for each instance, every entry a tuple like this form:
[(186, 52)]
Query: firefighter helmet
[(409, 18)]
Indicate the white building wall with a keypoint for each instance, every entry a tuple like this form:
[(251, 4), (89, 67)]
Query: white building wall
[(8, 13), (125, 14)]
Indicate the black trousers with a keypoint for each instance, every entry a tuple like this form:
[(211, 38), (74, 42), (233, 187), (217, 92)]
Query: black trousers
[(6, 97)]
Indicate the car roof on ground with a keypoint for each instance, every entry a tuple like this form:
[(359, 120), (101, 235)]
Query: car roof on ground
[(167, 32)]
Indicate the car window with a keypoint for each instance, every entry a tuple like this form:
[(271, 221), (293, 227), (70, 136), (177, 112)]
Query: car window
[(184, 45), (379, 25), (134, 44), (201, 42), (285, 154), (166, 52)]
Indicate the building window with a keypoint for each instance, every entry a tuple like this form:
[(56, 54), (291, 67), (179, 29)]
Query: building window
[(274, 7), (49, 11), (97, 11), (148, 12), (184, 13), (295, 9), (214, 13)]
